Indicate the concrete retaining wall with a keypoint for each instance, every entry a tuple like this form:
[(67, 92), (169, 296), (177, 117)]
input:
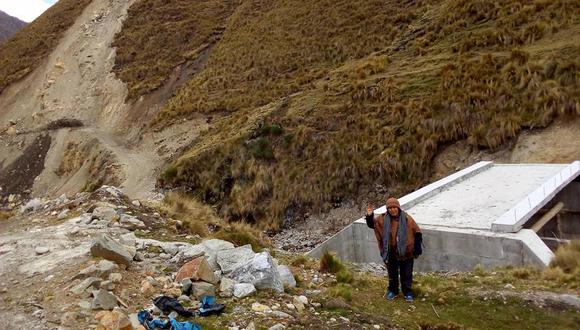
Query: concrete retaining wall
[(445, 249)]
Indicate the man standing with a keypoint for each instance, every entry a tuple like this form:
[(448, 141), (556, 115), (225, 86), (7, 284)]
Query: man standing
[(399, 239)]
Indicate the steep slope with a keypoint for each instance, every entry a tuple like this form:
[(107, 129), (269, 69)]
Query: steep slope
[(9, 25), (318, 102)]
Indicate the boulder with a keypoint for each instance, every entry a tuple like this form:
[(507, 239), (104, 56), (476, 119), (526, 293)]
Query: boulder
[(115, 320), (197, 269), (128, 239), (103, 299), (242, 290), (286, 276), (105, 213), (130, 222), (102, 269), (200, 289), (212, 247), (94, 282), (106, 247), (261, 271), (188, 252), (230, 259), (147, 288), (227, 287)]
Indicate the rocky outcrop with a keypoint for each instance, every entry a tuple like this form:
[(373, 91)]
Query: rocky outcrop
[(261, 271)]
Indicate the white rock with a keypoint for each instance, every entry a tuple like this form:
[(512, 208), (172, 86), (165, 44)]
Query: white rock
[(286, 276), (227, 287), (41, 250), (32, 205), (302, 299), (230, 259), (242, 290), (212, 247), (277, 326), (136, 203), (63, 214), (104, 213), (257, 307), (261, 271), (130, 222)]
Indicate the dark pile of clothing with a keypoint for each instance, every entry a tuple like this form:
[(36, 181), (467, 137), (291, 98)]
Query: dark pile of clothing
[(168, 304)]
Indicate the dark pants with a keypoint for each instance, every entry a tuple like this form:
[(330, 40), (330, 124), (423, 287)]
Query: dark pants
[(405, 269)]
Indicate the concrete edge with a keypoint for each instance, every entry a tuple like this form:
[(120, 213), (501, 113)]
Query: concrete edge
[(322, 247), (538, 253), (429, 190), (514, 219)]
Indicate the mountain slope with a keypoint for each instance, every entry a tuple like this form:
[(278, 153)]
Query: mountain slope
[(9, 25)]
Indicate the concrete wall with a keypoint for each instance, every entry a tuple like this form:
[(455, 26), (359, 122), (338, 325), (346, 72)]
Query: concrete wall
[(445, 249)]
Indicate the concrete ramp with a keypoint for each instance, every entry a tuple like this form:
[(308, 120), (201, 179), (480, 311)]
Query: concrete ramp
[(475, 216)]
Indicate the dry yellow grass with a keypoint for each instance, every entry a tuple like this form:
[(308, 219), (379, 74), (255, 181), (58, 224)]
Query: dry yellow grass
[(355, 106), (24, 51)]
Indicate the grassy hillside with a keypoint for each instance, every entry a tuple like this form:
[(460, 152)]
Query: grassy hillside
[(26, 49), (316, 102), (158, 35)]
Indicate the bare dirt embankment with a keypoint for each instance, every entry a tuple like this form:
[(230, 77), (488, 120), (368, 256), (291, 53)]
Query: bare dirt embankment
[(76, 84)]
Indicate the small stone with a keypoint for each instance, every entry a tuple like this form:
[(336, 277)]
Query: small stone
[(344, 319), (332, 319), (510, 286), (186, 286), (84, 304), (183, 298), (290, 306), (63, 214), (281, 315), (94, 282), (257, 307), (41, 250), (298, 304), (136, 203), (242, 290), (147, 288), (251, 326), (107, 285), (316, 305), (227, 287), (277, 326), (200, 289), (115, 277), (104, 300), (303, 299), (115, 320)]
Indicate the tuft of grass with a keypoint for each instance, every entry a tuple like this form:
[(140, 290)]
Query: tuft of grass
[(329, 263), (479, 270), (300, 260), (195, 216), (567, 258), (342, 290), (27, 49), (345, 276), (242, 234)]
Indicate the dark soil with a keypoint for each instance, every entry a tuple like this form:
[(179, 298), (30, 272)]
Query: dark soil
[(18, 177)]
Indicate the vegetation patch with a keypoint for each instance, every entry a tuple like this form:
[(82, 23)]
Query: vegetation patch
[(27, 49), (159, 35), (359, 107)]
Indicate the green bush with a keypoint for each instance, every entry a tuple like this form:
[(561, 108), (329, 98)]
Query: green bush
[(330, 263)]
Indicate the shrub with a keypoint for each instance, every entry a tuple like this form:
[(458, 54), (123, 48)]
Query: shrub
[(344, 276), (330, 263), (170, 173), (567, 257)]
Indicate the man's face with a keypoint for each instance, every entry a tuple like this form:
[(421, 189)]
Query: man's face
[(393, 211)]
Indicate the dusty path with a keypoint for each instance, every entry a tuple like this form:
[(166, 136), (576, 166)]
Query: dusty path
[(76, 82)]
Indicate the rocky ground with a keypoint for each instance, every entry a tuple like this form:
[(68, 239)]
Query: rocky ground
[(94, 260)]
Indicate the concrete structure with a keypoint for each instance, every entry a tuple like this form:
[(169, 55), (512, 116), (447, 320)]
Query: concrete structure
[(479, 215)]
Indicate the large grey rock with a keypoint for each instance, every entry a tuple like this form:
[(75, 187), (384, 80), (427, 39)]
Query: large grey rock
[(106, 247), (212, 247), (242, 290), (128, 239), (188, 252), (102, 269), (286, 276), (85, 284), (231, 259), (130, 222), (227, 287), (103, 300), (261, 271), (200, 289), (105, 213)]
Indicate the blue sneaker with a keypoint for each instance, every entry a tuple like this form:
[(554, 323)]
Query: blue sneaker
[(390, 295), (409, 297)]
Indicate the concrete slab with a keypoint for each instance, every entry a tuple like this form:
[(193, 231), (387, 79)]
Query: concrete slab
[(478, 201)]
